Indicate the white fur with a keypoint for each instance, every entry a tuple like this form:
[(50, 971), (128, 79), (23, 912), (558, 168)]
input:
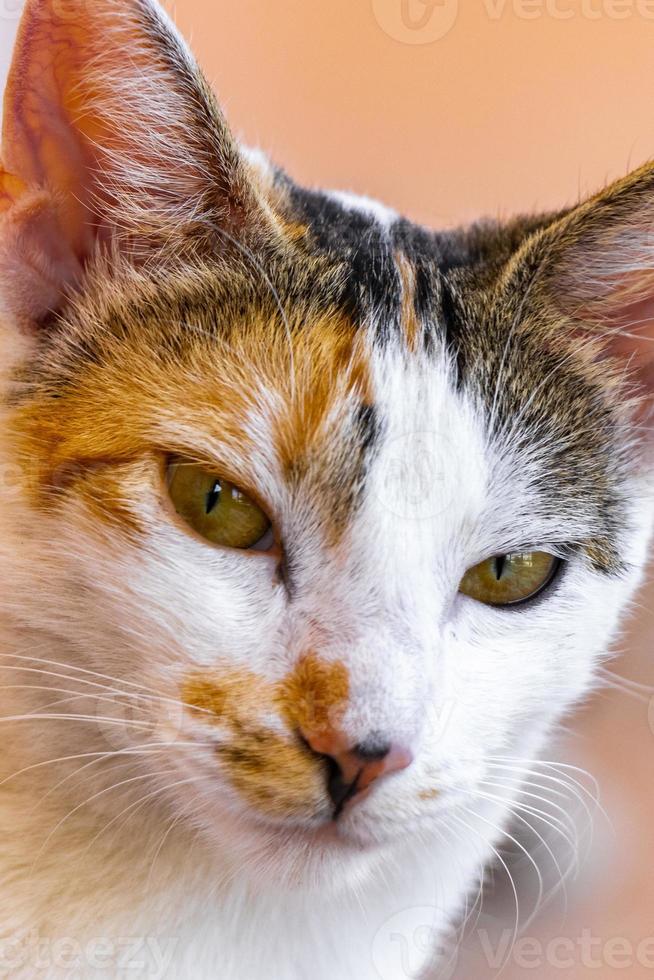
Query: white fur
[(172, 857), (228, 894), (384, 215)]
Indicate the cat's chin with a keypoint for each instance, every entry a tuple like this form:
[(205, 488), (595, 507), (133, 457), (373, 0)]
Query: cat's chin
[(332, 855), (308, 860)]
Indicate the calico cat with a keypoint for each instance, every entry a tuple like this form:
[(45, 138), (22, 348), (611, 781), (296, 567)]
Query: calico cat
[(313, 523)]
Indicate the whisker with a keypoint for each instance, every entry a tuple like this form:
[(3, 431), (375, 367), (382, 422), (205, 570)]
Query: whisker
[(563, 770), (149, 749), (567, 823), (545, 781), (517, 781), (171, 826), (77, 669), (82, 755), (640, 692), (138, 804), (530, 858), (62, 716), (510, 878), (71, 775), (59, 690), (90, 799), (513, 809), (150, 695)]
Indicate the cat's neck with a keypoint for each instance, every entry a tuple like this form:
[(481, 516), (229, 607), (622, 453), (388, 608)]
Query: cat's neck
[(167, 902)]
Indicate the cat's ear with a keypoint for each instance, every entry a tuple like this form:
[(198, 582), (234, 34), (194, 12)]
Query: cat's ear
[(109, 134), (599, 273)]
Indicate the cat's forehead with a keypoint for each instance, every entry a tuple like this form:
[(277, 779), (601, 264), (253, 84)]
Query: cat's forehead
[(381, 256), (359, 336)]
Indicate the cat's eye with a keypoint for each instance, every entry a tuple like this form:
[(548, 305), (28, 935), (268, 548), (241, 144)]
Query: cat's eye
[(508, 580), (217, 509)]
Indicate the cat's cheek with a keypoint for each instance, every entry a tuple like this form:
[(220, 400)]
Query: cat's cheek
[(508, 674)]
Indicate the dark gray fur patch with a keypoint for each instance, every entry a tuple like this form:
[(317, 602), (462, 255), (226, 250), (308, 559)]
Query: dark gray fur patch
[(500, 339)]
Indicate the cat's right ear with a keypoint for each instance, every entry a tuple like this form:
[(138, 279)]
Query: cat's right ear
[(110, 137), (598, 277)]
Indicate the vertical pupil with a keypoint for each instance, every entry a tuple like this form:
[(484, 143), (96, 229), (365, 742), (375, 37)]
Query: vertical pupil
[(498, 566), (213, 496)]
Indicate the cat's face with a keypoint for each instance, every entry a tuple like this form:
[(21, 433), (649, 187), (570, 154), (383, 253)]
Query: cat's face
[(393, 408)]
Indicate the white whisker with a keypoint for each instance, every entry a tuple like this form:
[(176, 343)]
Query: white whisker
[(91, 799)]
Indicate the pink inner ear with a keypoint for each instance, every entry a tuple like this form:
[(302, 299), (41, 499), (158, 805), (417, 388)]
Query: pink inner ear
[(47, 225), (608, 282), (37, 263), (106, 114), (47, 138), (634, 343)]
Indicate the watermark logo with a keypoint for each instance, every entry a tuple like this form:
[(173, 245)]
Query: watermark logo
[(147, 957), (128, 720), (591, 10), (11, 10), (416, 21), (415, 480), (585, 951), (439, 718), (427, 21), (12, 481), (413, 940)]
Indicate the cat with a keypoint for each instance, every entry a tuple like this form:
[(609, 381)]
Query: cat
[(313, 525)]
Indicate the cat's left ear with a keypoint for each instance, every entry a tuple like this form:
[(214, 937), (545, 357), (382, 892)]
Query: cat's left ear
[(598, 272), (110, 134)]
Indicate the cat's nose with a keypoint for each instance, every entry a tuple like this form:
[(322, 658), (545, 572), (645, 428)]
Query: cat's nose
[(352, 770)]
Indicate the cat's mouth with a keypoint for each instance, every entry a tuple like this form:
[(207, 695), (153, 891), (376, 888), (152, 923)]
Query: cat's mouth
[(332, 838)]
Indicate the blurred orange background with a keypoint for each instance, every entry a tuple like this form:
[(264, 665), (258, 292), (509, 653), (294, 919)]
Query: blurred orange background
[(448, 111), (519, 106)]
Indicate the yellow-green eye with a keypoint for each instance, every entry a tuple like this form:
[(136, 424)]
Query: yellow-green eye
[(217, 509), (507, 580)]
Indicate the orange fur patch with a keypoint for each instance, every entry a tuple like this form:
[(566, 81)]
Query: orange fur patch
[(410, 326), (118, 412), (313, 697), (278, 776), (329, 365), (111, 492), (333, 371)]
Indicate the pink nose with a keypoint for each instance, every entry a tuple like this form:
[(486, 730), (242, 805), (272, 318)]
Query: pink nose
[(353, 769)]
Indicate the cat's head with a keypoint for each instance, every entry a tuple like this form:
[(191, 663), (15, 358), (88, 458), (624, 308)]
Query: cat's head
[(333, 511)]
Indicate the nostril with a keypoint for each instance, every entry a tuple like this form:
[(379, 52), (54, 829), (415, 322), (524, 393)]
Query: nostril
[(340, 789), (379, 760), (373, 749), (350, 771)]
